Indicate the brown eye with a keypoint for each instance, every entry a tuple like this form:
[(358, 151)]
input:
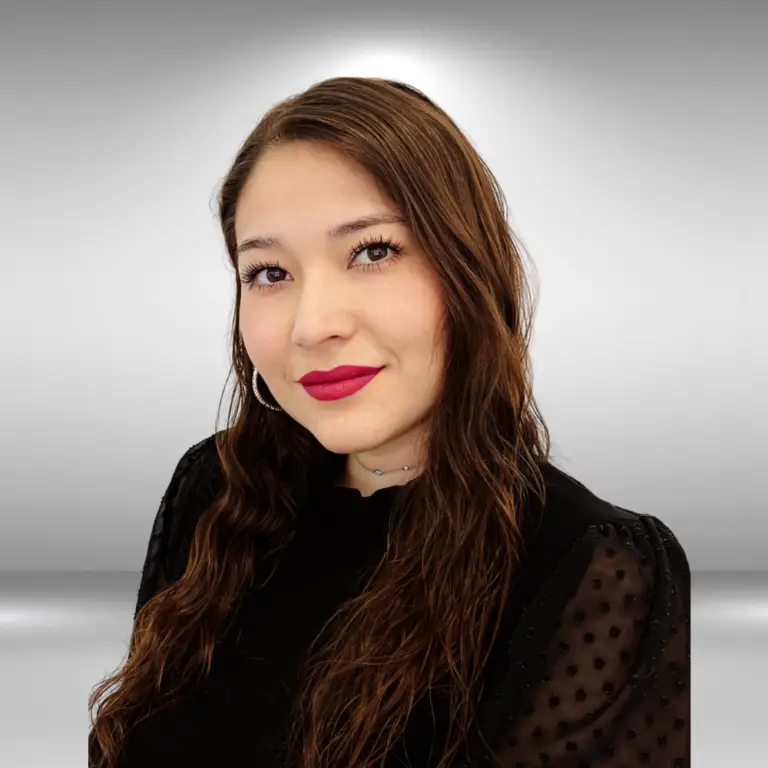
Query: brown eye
[(376, 243), (272, 271)]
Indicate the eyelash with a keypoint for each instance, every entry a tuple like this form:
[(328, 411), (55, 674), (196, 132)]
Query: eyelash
[(249, 275)]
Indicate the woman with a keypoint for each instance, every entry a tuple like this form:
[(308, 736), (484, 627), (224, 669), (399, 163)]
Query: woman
[(380, 565)]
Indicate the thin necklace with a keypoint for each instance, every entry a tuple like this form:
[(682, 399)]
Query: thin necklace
[(389, 471)]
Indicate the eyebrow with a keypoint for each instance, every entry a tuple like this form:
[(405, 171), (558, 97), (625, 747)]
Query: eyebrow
[(342, 230)]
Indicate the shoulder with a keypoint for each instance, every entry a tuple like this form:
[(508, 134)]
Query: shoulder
[(577, 536), (573, 507), (597, 623), (573, 512), (195, 482), (202, 455), (193, 485)]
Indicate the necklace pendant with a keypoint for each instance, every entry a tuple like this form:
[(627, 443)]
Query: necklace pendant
[(377, 472)]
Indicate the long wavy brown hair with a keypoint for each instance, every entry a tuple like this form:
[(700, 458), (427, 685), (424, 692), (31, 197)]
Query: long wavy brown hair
[(432, 607)]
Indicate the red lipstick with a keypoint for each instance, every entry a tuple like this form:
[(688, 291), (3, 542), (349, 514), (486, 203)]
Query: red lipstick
[(338, 382)]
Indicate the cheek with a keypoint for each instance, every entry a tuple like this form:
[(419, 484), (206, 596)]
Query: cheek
[(418, 313), (261, 338), (411, 329)]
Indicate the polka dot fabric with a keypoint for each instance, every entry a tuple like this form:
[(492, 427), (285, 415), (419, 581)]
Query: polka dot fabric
[(611, 685)]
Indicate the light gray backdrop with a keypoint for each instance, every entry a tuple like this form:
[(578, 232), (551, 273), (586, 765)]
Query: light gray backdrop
[(630, 139)]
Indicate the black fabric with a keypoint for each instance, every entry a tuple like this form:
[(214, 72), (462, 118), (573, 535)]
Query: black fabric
[(591, 668)]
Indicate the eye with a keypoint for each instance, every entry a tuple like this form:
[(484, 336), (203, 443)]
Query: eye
[(250, 274), (377, 243)]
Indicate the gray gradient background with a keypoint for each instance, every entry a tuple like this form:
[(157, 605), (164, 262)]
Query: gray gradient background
[(630, 139)]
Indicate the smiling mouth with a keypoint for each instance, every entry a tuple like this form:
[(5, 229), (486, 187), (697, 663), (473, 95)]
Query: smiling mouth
[(336, 390), (339, 373)]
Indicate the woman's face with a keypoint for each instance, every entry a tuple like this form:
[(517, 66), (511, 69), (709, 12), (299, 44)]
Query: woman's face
[(326, 301)]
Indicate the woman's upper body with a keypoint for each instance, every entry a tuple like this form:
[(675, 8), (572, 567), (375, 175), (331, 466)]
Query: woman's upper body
[(591, 666), (365, 231)]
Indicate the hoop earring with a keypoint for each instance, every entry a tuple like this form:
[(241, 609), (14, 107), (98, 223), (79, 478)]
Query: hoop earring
[(255, 383)]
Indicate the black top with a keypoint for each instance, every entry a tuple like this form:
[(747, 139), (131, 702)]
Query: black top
[(591, 669)]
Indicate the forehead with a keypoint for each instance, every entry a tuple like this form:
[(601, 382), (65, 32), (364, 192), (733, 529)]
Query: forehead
[(305, 183)]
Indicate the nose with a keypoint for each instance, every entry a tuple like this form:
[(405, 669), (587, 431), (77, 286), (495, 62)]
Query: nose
[(325, 308)]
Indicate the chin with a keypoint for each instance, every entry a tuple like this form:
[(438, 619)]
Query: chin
[(345, 441)]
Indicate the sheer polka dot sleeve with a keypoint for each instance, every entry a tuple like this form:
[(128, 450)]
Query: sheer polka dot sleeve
[(609, 686)]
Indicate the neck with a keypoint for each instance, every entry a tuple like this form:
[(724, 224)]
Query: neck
[(368, 482), (369, 473), (406, 450)]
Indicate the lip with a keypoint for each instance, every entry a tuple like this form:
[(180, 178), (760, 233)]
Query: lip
[(341, 373), (335, 390)]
